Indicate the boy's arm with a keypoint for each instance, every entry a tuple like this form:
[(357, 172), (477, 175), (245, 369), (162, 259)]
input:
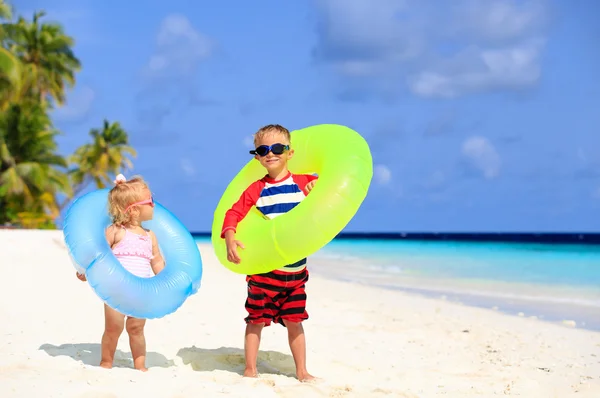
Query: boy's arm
[(302, 180), (238, 211)]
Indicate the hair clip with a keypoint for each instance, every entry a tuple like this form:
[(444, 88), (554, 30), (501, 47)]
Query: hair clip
[(119, 179)]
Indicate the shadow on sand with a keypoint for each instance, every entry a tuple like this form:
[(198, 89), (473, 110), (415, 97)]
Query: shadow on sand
[(89, 354), (232, 360)]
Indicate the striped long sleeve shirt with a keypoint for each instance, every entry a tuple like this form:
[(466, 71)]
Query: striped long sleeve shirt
[(272, 198)]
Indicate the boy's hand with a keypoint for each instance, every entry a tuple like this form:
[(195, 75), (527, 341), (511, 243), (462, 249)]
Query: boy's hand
[(311, 185), (81, 277), (232, 255)]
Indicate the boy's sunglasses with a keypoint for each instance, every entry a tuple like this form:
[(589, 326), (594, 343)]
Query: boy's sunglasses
[(263, 150), (142, 202)]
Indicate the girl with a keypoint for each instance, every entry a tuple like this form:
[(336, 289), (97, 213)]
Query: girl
[(130, 203)]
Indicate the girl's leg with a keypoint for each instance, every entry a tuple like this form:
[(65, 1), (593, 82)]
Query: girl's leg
[(137, 342), (113, 327)]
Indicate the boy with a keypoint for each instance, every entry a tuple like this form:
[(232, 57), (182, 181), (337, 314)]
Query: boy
[(276, 296)]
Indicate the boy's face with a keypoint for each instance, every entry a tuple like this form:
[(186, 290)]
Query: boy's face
[(272, 162)]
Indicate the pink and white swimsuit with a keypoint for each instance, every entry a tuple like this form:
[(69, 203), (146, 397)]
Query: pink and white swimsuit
[(134, 252)]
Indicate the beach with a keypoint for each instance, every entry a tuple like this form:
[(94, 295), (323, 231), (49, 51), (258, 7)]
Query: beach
[(361, 341)]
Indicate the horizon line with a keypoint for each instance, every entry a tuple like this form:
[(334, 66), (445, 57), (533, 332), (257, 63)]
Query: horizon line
[(500, 237), (449, 233)]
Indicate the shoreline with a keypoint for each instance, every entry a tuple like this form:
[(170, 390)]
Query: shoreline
[(361, 340), (583, 317), (562, 304), (560, 312)]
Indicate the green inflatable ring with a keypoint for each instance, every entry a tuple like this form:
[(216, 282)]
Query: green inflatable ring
[(342, 159)]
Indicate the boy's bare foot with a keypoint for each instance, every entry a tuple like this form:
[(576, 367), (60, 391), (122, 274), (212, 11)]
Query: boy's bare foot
[(106, 365), (143, 369), (250, 373), (306, 377)]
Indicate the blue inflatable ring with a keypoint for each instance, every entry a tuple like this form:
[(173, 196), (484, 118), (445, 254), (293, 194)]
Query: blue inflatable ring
[(84, 226)]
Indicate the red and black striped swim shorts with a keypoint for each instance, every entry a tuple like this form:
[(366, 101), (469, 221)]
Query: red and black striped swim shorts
[(275, 296)]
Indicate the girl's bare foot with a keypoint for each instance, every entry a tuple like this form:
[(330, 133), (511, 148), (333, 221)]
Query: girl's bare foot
[(106, 365), (250, 373), (139, 363), (306, 377)]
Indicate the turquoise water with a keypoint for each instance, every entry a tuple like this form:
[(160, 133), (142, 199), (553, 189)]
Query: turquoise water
[(552, 282), (573, 265)]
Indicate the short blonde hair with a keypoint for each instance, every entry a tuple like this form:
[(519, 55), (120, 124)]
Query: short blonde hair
[(272, 129), (123, 194)]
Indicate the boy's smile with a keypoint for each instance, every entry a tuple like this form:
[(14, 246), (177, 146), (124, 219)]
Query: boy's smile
[(276, 164), (271, 161)]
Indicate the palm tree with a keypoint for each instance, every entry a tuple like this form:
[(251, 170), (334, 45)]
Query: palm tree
[(5, 10), (101, 160), (49, 64), (36, 65), (10, 71), (30, 175)]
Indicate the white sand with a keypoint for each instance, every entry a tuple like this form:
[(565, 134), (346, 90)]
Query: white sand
[(362, 341)]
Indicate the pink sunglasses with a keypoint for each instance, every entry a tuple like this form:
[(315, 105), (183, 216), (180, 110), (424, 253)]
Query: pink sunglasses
[(142, 202)]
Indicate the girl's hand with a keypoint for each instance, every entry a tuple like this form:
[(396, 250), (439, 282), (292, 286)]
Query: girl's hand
[(81, 277), (232, 255), (311, 185)]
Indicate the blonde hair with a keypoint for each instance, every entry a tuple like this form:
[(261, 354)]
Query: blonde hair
[(123, 194), (272, 129)]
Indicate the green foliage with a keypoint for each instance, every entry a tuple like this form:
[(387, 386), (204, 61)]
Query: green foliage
[(103, 158), (37, 64)]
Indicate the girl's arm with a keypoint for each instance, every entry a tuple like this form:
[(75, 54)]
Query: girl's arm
[(157, 263), (110, 233), (113, 235)]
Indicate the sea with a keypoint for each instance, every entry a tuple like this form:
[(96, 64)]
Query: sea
[(553, 277)]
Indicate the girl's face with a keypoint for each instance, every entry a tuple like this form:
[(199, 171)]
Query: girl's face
[(145, 206)]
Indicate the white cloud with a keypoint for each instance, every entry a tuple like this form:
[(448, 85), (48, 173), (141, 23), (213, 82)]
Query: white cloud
[(437, 50), (78, 104), (358, 39), (500, 19), (480, 69), (187, 167), (382, 174), (179, 47), (169, 80), (482, 155)]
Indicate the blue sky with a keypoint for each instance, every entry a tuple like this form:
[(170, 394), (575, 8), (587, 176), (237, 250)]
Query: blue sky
[(479, 114)]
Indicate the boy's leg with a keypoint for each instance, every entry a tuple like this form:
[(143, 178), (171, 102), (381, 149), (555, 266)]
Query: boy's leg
[(297, 342), (251, 345), (258, 317), (113, 327), (137, 342), (291, 315)]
